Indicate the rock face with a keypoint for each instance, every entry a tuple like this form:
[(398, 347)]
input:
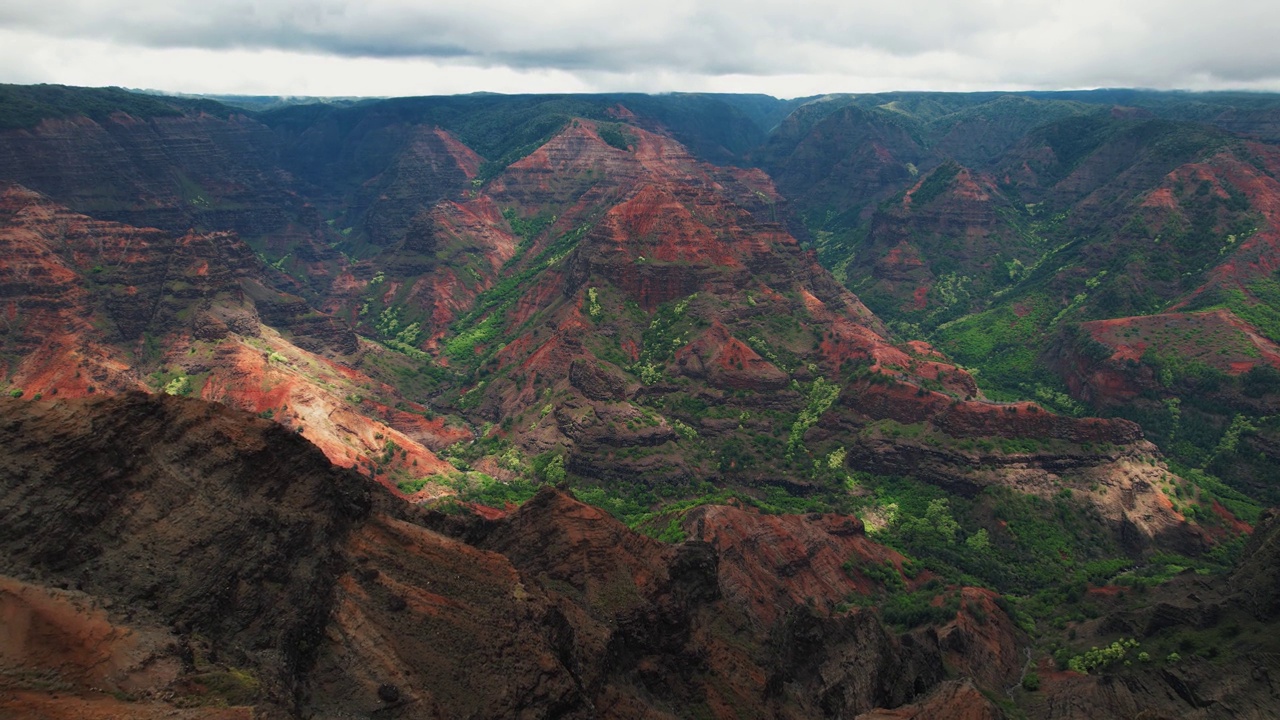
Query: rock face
[(779, 561), (982, 641), (142, 281), (808, 155), (727, 363), (162, 547), (242, 568), (596, 382), (430, 166), (954, 217), (1256, 582), (951, 701)]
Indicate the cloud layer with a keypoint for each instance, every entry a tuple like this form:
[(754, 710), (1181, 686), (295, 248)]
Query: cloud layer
[(392, 47)]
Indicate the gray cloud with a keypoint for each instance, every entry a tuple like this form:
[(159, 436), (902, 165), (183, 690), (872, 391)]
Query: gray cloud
[(701, 44)]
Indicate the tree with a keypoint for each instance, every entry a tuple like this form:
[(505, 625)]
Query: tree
[(937, 527), (978, 541)]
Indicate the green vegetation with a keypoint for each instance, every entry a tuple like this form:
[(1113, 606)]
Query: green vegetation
[(486, 319), (1031, 681), (1004, 302), (1002, 344), (935, 184), (1043, 550), (920, 607), (487, 491), (471, 486), (553, 471), (399, 336), (670, 328), (657, 512), (233, 686), (821, 396), (527, 229), (1098, 659), (616, 135), (884, 574), (24, 106), (931, 603), (179, 385)]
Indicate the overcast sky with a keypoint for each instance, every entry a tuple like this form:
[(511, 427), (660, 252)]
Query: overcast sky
[(786, 49)]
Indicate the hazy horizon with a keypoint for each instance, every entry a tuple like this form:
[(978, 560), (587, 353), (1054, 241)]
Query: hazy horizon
[(606, 92), (393, 48)]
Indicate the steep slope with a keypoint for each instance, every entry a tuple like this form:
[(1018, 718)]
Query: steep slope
[(1193, 648), (941, 248), (218, 559), (93, 306), (184, 515), (175, 558), (837, 159), (1168, 277)]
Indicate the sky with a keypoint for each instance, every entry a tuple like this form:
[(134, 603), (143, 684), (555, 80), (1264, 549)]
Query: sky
[(785, 49)]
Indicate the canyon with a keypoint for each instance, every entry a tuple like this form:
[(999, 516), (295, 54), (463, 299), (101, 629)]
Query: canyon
[(648, 406)]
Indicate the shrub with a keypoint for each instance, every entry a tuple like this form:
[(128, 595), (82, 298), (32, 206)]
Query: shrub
[(1103, 658), (554, 471), (180, 385), (1031, 682), (913, 609)]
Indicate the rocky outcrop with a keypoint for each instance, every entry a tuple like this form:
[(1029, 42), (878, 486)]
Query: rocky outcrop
[(952, 222), (46, 304), (596, 381), (772, 562), (983, 642), (814, 660), (187, 515), (311, 330), (952, 700), (728, 363), (906, 403), (676, 272), (1256, 580), (429, 165), (145, 281), (554, 259)]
